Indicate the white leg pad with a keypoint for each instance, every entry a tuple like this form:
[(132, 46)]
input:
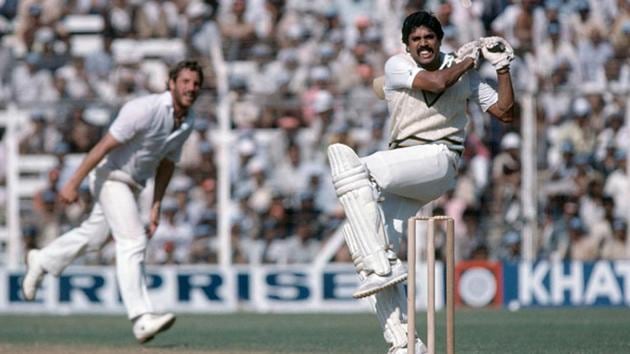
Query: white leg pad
[(357, 196), (351, 241), (390, 307)]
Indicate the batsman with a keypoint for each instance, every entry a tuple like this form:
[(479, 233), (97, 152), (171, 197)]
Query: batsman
[(426, 92)]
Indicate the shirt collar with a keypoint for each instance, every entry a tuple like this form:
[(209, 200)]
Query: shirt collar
[(167, 99), (447, 60)]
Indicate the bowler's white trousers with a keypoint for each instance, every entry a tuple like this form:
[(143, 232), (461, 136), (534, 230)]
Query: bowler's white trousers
[(116, 208), (409, 178)]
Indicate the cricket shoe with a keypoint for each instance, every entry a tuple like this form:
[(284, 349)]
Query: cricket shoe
[(420, 348), (34, 275), (374, 283), (149, 325)]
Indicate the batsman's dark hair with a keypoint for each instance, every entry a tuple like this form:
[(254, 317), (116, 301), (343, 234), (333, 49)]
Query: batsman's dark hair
[(186, 64), (421, 18)]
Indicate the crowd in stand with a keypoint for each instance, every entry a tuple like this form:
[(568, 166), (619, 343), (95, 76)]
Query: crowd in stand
[(300, 78)]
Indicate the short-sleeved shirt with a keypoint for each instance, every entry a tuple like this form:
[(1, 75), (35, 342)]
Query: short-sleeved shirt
[(144, 127), (420, 117)]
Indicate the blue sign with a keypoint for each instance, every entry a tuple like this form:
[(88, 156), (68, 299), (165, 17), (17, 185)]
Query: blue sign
[(603, 283)]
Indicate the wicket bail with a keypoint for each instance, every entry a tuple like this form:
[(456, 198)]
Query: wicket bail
[(411, 282)]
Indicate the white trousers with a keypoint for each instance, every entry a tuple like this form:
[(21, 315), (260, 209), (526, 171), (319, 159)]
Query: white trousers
[(116, 209), (408, 178)]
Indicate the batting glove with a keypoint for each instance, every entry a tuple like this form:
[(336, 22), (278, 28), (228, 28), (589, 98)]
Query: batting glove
[(497, 51), (469, 50)]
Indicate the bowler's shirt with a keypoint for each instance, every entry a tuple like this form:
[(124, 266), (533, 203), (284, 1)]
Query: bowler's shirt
[(144, 127), (420, 117)]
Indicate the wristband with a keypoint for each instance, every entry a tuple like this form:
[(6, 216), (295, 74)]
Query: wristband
[(504, 70)]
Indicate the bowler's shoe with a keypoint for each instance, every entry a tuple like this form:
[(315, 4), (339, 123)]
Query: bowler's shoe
[(34, 275), (149, 325)]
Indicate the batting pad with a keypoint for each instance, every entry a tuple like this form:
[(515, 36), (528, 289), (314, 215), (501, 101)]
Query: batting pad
[(354, 190), (390, 307), (351, 241)]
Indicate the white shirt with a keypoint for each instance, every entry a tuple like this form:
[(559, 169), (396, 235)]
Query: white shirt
[(617, 187), (424, 117), (144, 126)]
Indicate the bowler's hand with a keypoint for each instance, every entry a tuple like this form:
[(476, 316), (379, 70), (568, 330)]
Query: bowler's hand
[(154, 221), (69, 194)]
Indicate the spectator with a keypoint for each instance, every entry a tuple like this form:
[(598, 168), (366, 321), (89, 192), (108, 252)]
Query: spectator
[(613, 136), (172, 239), (31, 84), (193, 149), (616, 247), (615, 76), (77, 84), (7, 63), (245, 152), (601, 230), (118, 18), (100, 63), (555, 244), (291, 175), (583, 21), (554, 50), (517, 21), (200, 251), (245, 109), (617, 187), (506, 169), (620, 33), (40, 137), (52, 57), (28, 22), (591, 203), (593, 52), (207, 202), (303, 246), (510, 247), (238, 31), (151, 20), (82, 135), (471, 236), (582, 247), (579, 130)]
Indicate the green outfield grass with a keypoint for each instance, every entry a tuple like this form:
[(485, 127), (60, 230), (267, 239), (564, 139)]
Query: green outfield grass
[(477, 331)]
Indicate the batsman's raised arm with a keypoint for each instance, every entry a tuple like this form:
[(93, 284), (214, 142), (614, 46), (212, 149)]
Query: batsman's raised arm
[(424, 68), (439, 80), (499, 53), (503, 109)]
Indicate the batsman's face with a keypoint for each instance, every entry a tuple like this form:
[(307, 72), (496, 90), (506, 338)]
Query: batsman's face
[(185, 88), (424, 46)]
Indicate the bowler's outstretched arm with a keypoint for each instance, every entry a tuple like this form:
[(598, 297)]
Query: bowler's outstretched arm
[(68, 193)]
